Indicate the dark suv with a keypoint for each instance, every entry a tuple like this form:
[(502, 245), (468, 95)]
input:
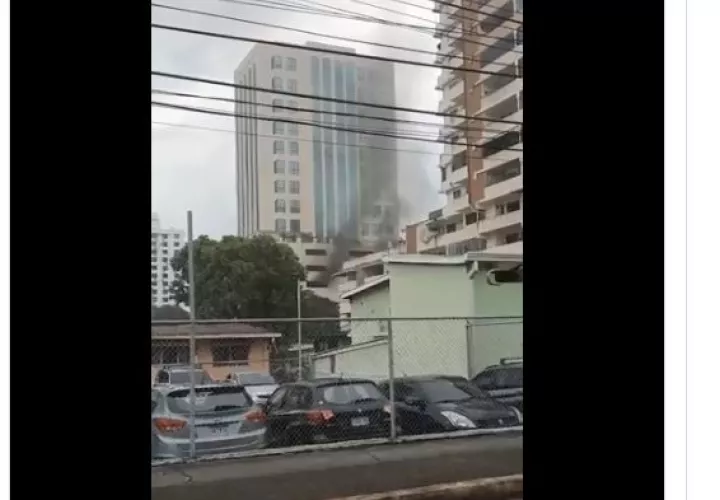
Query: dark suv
[(503, 382)]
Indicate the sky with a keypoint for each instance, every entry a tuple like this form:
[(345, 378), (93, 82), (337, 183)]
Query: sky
[(195, 169)]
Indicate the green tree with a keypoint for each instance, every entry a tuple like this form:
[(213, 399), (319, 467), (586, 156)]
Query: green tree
[(240, 278), (168, 312)]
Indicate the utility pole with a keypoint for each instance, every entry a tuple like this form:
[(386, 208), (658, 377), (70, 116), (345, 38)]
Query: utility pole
[(300, 288)]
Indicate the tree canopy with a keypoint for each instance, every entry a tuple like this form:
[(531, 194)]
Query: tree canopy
[(251, 278)]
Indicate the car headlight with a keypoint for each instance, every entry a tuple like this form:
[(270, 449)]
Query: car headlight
[(518, 415), (457, 420)]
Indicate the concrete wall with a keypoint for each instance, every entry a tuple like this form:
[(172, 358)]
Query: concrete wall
[(366, 361), (374, 303), (430, 346), (494, 339)]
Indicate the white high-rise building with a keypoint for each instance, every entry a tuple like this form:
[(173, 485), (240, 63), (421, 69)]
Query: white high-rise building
[(293, 178), (164, 244), (483, 183)]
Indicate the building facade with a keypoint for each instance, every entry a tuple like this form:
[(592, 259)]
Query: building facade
[(292, 177), (482, 167), (164, 244)]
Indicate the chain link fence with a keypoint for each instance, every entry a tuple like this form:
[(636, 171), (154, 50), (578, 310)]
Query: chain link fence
[(233, 386)]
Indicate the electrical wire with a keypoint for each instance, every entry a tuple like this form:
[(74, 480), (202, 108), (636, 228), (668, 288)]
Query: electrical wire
[(324, 126), (317, 49), (313, 33), (307, 110), (329, 99), (356, 17)]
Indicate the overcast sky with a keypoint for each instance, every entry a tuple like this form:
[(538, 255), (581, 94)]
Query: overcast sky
[(194, 169)]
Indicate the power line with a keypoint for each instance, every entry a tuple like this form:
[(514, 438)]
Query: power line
[(322, 125), (307, 110), (329, 99), (299, 139), (355, 17), (298, 30), (316, 49), (486, 14)]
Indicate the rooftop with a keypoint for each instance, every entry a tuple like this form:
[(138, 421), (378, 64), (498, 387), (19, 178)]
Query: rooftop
[(230, 330)]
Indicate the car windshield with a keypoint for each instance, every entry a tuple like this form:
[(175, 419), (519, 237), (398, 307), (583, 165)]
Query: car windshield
[(183, 377), (509, 378), (343, 394), (209, 400), (255, 379), (445, 391)]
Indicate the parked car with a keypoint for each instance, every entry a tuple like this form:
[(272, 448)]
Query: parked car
[(503, 382), (179, 375), (326, 410), (259, 385), (429, 404), (225, 420)]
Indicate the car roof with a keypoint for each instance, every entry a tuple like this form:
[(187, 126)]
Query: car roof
[(167, 388), (427, 378), (333, 380), (176, 368)]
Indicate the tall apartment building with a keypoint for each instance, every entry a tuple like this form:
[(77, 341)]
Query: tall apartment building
[(482, 170), (164, 243), (296, 178)]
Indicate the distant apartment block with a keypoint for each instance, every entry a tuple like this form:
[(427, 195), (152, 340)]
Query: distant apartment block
[(483, 182), (164, 244)]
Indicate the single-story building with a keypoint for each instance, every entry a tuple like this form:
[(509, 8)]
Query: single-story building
[(446, 314), (220, 347)]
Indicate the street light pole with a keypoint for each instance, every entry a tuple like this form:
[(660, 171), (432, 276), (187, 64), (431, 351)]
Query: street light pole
[(300, 287), (193, 359)]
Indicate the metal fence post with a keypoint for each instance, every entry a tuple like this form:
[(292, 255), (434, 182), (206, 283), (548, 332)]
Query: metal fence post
[(391, 381), (193, 356), (469, 348)]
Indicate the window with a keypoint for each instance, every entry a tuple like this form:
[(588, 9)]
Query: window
[(501, 143), (499, 210), (170, 353), (513, 238), (280, 206), (451, 228), (315, 251), (294, 206), (298, 398), (225, 352), (280, 225), (293, 129), (276, 62), (277, 83), (471, 218), (513, 206), (294, 148), (279, 186), (502, 109), (165, 284), (292, 85), (278, 147), (504, 172), (294, 187), (291, 64), (294, 168), (456, 194), (294, 225), (518, 5), (276, 103), (279, 166), (278, 128), (293, 105)]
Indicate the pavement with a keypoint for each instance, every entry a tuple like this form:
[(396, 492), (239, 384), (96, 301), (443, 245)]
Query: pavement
[(320, 475)]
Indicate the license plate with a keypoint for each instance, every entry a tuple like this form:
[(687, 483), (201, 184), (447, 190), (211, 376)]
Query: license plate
[(213, 431), (359, 421)]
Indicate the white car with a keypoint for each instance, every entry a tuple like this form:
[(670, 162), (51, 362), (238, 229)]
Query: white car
[(258, 385)]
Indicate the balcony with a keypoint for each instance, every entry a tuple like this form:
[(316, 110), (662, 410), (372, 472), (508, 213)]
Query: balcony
[(428, 240), (503, 188), (501, 221), (456, 206), (500, 95), (456, 90), (508, 248)]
